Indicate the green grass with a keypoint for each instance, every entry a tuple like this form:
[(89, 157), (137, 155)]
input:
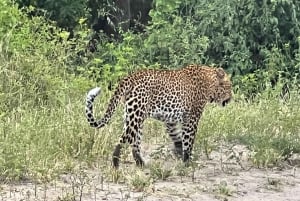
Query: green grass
[(40, 143), (270, 127)]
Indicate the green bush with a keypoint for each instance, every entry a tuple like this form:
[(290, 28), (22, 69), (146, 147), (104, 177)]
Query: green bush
[(255, 41), (35, 56), (39, 97)]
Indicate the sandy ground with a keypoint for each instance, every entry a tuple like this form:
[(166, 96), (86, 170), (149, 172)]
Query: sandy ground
[(227, 175)]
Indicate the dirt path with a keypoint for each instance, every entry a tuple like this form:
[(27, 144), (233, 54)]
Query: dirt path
[(210, 180)]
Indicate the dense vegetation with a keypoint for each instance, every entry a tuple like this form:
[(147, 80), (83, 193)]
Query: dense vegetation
[(46, 67), (257, 41)]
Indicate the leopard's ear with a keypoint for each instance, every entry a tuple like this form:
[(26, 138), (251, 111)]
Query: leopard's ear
[(220, 73)]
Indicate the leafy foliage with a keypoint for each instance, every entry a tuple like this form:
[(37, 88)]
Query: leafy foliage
[(257, 41), (29, 75), (35, 79)]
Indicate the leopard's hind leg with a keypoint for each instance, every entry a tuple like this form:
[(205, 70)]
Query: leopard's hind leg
[(132, 134)]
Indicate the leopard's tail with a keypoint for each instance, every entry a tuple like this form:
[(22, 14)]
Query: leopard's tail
[(113, 103)]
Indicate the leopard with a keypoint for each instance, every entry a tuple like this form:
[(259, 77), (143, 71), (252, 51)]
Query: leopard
[(176, 97)]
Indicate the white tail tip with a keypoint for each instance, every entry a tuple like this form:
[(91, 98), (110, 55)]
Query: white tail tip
[(94, 92)]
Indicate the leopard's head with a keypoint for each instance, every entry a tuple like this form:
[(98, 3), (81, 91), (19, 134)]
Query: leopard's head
[(222, 90)]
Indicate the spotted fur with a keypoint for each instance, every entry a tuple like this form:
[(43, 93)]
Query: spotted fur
[(175, 97)]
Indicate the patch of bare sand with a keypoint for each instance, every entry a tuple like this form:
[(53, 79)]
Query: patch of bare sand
[(228, 175)]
